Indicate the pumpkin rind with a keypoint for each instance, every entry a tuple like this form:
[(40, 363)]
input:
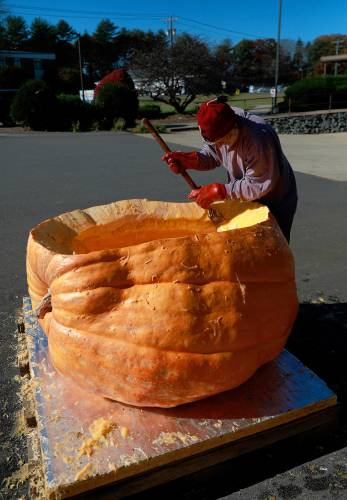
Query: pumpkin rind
[(168, 320)]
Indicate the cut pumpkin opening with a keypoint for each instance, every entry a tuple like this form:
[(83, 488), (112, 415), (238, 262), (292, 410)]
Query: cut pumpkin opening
[(94, 229)]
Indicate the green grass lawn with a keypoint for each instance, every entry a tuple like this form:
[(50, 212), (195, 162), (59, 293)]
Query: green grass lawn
[(244, 100)]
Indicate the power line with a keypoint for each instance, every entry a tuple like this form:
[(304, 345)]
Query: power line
[(117, 16), (125, 15), (209, 31), (221, 29), (98, 14), (72, 16)]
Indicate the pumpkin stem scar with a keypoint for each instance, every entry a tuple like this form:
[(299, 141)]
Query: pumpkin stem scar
[(44, 306)]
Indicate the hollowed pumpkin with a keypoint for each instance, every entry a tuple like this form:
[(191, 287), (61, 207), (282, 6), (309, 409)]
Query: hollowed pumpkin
[(154, 305)]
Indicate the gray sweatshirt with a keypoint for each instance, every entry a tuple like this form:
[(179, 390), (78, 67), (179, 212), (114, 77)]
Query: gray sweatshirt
[(256, 164)]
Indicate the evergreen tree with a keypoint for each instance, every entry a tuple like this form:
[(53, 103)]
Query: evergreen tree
[(64, 32), (14, 33), (99, 50), (43, 36), (105, 32)]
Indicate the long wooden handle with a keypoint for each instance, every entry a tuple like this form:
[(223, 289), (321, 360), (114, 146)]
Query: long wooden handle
[(215, 217), (166, 148)]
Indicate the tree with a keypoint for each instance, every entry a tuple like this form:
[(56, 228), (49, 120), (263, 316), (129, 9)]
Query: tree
[(243, 73), (43, 36), (175, 74), (67, 60), (14, 32), (105, 32), (254, 62), (130, 42), (99, 50), (2, 37), (288, 46), (104, 49), (69, 80), (223, 62), (324, 46), (64, 32), (264, 62), (300, 59)]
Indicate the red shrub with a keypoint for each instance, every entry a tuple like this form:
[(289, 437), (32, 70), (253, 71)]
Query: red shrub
[(116, 76)]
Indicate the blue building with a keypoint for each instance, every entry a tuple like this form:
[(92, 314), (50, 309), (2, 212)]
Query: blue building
[(34, 63)]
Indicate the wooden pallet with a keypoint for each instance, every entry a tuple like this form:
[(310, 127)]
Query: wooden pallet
[(88, 442)]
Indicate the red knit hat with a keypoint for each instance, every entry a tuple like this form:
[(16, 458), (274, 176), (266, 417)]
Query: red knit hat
[(215, 119)]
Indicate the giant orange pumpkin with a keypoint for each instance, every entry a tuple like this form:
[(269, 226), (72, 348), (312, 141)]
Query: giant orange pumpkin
[(154, 305)]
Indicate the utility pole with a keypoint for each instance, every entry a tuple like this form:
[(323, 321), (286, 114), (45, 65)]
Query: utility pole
[(80, 64), (277, 51), (337, 43), (78, 38), (171, 31)]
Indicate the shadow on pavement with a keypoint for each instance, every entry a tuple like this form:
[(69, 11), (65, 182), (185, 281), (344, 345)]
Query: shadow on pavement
[(319, 340)]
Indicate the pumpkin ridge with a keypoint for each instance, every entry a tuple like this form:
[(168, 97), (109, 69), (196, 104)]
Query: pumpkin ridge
[(278, 340), (77, 334), (113, 307), (132, 339), (130, 284), (196, 288)]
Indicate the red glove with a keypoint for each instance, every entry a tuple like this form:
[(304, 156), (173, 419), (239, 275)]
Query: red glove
[(179, 161), (206, 195)]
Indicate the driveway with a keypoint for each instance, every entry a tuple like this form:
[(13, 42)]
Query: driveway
[(44, 174)]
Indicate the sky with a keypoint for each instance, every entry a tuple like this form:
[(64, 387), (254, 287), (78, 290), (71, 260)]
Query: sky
[(213, 21)]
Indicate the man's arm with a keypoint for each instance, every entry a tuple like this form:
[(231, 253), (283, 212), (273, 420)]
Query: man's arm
[(261, 173), (244, 114), (208, 158), (205, 159)]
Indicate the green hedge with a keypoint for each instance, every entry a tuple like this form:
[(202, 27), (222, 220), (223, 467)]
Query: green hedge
[(115, 101), (150, 111), (6, 98), (320, 92), (34, 106), (74, 114)]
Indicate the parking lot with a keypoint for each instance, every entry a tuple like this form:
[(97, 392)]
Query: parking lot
[(44, 174)]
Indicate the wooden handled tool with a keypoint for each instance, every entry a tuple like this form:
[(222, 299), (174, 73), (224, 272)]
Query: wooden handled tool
[(215, 217), (166, 148)]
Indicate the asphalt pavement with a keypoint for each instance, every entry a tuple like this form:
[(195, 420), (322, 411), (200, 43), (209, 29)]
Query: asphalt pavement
[(46, 174)]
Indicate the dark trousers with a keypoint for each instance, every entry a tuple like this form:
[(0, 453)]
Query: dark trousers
[(284, 213), (284, 210)]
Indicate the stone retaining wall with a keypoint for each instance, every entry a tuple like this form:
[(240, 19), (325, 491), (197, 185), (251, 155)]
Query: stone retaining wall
[(315, 123)]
